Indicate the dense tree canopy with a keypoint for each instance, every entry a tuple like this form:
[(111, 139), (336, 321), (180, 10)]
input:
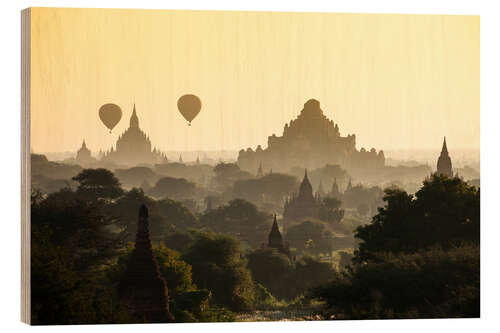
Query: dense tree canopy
[(218, 267), (310, 236), (330, 211), (419, 258), (430, 283), (173, 188), (162, 214), (359, 194), (226, 174), (271, 188), (136, 176), (273, 270), (88, 237), (284, 278), (98, 184), (241, 219), (444, 211), (73, 244)]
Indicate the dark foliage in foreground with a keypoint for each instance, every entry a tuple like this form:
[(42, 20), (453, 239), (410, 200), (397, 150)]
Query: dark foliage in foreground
[(428, 284), (445, 212), (419, 258), (284, 278), (217, 266)]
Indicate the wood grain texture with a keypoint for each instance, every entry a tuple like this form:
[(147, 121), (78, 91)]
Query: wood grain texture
[(25, 165)]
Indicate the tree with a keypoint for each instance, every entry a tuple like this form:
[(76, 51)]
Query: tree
[(187, 302), (300, 237), (176, 272), (97, 184), (357, 195), (330, 211), (218, 267), (431, 283), (136, 176), (87, 236), (310, 273), (173, 188), (271, 188), (228, 173), (444, 211), (273, 270), (162, 214), (72, 248), (180, 240), (175, 213), (239, 218)]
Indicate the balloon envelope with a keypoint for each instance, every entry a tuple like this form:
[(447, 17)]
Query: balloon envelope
[(110, 115), (189, 106)]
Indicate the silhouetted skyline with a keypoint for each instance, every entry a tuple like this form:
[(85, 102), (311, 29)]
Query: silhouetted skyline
[(397, 81)]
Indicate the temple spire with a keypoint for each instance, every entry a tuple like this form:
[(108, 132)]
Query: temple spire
[(134, 120), (335, 189), (305, 190), (275, 239), (444, 166), (349, 185), (444, 150)]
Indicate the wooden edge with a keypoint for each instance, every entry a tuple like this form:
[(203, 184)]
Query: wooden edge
[(25, 166)]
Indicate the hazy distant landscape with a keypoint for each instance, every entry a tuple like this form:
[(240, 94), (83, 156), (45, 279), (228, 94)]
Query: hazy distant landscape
[(204, 166)]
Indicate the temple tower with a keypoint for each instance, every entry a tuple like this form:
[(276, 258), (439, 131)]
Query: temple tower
[(275, 239), (134, 120), (305, 190), (444, 162), (335, 189), (142, 289)]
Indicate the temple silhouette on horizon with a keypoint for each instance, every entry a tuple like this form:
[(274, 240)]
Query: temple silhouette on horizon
[(134, 147), (310, 141)]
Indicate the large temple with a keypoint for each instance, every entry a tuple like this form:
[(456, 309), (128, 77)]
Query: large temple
[(133, 147), (311, 141)]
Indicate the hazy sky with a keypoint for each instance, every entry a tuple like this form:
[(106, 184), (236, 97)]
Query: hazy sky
[(396, 81)]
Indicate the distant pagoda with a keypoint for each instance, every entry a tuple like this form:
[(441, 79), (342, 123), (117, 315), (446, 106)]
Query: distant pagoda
[(310, 141), (275, 240), (142, 289), (302, 206), (84, 156), (444, 162), (335, 193), (133, 147)]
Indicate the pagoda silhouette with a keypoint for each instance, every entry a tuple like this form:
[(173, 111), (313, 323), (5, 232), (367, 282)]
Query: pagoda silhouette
[(143, 290)]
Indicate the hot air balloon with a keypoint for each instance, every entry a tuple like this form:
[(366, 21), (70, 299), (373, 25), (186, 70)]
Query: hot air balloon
[(110, 115), (189, 106)]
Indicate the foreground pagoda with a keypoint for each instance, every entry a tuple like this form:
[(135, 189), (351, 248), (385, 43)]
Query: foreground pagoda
[(143, 290)]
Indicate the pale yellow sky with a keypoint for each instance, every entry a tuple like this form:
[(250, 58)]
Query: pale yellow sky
[(396, 81)]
